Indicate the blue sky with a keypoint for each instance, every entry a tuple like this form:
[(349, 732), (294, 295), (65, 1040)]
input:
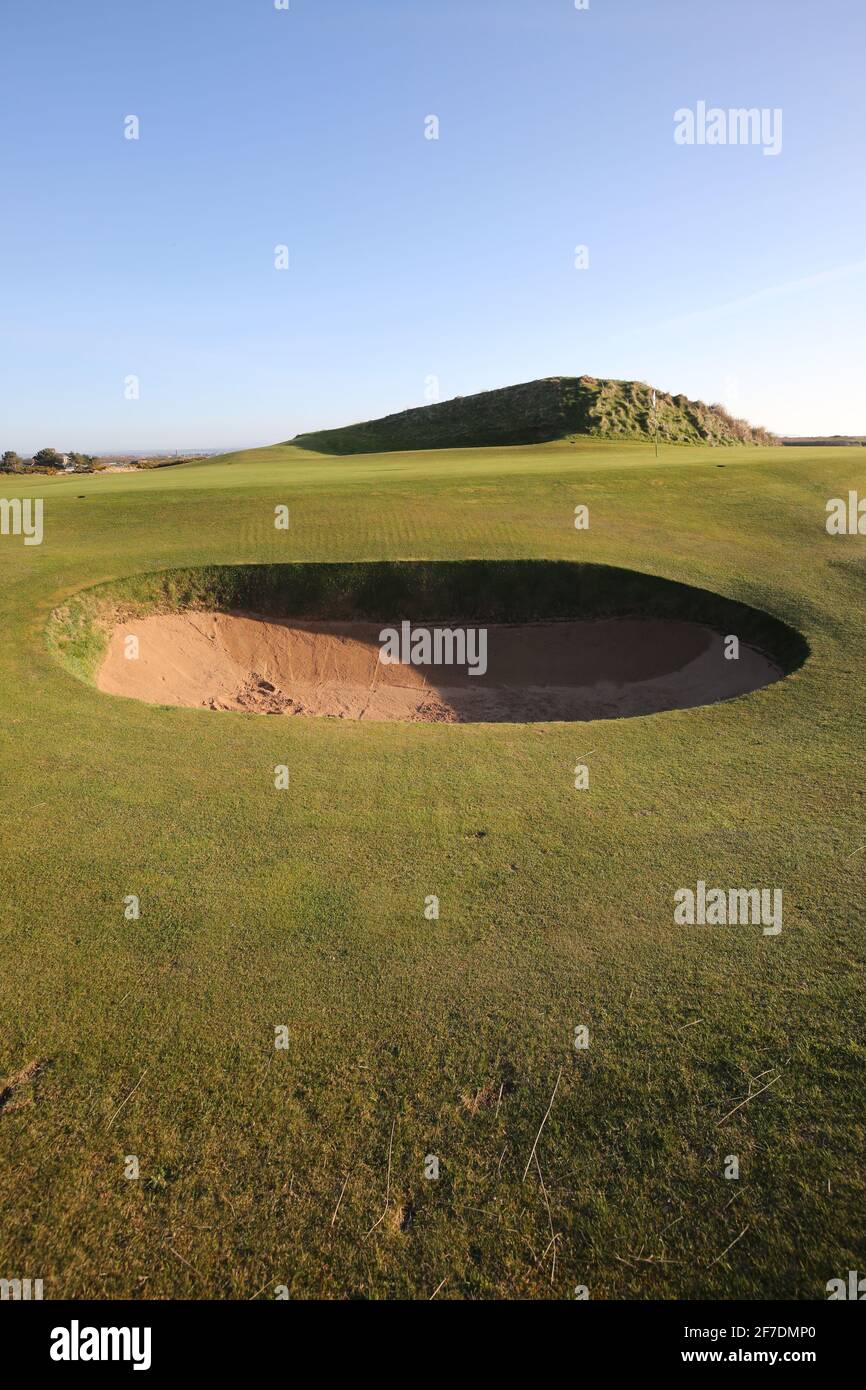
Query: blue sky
[(718, 271)]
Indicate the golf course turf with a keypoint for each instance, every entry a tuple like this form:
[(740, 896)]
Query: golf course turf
[(296, 914)]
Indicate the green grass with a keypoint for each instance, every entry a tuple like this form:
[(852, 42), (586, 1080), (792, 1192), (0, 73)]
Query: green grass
[(305, 907)]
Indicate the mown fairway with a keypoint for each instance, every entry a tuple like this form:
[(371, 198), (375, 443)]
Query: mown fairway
[(305, 908)]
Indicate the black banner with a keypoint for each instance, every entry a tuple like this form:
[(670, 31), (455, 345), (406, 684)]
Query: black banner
[(82, 1338)]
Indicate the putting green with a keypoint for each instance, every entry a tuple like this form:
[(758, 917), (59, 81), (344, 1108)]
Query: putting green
[(282, 870)]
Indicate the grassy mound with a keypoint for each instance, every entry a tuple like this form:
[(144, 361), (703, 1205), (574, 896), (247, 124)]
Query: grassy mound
[(538, 412)]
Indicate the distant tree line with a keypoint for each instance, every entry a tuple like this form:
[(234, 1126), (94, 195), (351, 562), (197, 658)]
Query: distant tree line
[(50, 460), (45, 460)]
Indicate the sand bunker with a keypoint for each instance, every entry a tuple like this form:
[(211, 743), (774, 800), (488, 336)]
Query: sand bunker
[(605, 668)]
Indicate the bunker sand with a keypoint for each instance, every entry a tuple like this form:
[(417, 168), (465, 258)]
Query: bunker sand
[(585, 669)]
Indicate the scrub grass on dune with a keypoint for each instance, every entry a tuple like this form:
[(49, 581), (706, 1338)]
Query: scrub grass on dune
[(304, 1166)]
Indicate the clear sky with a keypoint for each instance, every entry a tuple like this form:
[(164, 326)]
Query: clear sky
[(715, 270)]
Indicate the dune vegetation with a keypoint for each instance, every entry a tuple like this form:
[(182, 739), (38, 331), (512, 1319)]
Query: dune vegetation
[(558, 407)]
